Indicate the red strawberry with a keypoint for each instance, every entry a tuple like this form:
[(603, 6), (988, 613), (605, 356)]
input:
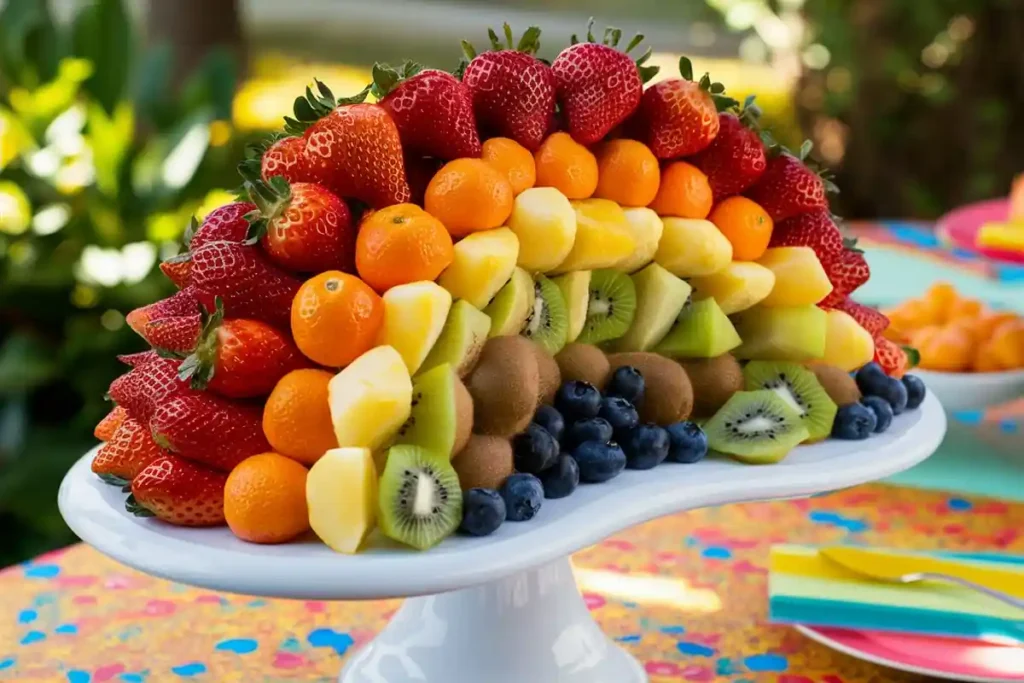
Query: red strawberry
[(789, 187), (134, 360), (597, 85), (250, 286), (184, 302), (129, 450), (107, 427), (140, 390), (213, 431), (177, 335), (871, 319), (227, 222), (285, 158), (354, 147), (736, 159), (846, 271), (513, 91), (815, 229), (432, 109), (678, 117), (178, 492), (891, 357), (177, 271), (240, 358)]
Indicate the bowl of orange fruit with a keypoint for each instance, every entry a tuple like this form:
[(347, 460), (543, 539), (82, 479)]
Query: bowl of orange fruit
[(970, 355)]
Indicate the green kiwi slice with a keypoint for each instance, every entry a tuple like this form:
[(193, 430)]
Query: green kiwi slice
[(702, 331), (575, 288), (755, 427), (420, 501), (461, 341), (441, 418), (511, 305), (610, 307), (660, 297), (548, 321), (797, 386)]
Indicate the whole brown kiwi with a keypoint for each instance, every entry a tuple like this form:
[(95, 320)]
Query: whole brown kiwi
[(668, 394), (548, 372), (837, 383), (505, 386), (485, 462), (584, 362), (714, 381)]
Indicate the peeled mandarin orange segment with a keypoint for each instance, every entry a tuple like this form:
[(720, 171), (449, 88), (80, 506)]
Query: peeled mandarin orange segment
[(512, 159), (265, 499), (684, 192), (964, 309), (401, 244), (336, 318), (745, 224), (627, 173), (946, 349), (296, 417), (567, 166), (986, 323), (468, 195)]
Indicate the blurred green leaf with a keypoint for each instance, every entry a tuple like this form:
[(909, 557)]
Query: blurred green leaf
[(101, 32), (25, 363), (110, 138), (212, 85), (28, 42), (153, 97)]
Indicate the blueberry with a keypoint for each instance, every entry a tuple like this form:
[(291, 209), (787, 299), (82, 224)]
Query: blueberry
[(626, 382), (534, 450), (523, 494), (645, 446), (915, 391), (870, 378), (562, 479), (621, 415), (854, 421), (483, 511), (893, 391), (590, 429), (687, 442), (599, 461), (578, 400), (550, 419), (882, 410)]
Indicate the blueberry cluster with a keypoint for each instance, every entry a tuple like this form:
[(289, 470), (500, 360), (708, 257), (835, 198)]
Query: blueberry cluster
[(584, 437), (883, 398)]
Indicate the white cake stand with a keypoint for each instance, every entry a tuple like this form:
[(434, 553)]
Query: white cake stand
[(501, 609)]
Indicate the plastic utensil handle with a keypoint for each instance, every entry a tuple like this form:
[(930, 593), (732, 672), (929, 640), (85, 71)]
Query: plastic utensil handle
[(991, 592)]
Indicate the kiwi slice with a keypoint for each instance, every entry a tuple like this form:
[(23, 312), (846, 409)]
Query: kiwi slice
[(548, 321), (583, 362), (511, 305), (504, 386), (575, 288), (755, 427), (461, 341), (484, 463), (702, 331), (714, 381), (610, 307), (442, 412), (419, 497), (660, 297), (797, 386), (837, 383)]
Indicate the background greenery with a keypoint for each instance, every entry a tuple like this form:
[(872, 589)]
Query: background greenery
[(112, 136)]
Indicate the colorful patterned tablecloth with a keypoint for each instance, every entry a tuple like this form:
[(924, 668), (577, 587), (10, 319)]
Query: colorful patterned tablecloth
[(77, 617)]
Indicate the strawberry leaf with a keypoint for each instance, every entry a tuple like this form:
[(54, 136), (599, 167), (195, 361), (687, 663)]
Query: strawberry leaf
[(913, 356), (716, 89), (495, 41), (468, 51), (724, 103), (508, 36), (686, 68), (637, 39), (530, 41), (590, 30), (113, 480), (190, 231), (132, 505), (805, 150), (385, 78)]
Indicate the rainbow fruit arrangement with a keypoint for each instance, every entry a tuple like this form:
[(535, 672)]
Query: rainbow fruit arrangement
[(433, 311)]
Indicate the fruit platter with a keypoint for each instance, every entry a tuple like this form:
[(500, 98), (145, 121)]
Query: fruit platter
[(451, 325)]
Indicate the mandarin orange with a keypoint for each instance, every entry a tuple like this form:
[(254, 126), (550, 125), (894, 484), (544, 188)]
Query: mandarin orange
[(512, 159), (627, 173), (745, 224), (401, 244), (567, 166), (296, 416), (684, 192), (468, 195), (336, 318), (265, 499)]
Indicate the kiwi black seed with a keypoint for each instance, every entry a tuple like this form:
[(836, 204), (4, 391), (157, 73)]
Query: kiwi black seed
[(584, 362), (798, 387), (755, 427), (549, 374), (504, 385), (420, 499), (611, 307), (484, 463), (668, 394), (714, 380), (837, 383), (548, 320)]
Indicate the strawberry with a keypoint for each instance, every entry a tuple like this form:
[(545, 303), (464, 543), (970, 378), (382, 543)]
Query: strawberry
[(178, 492), (239, 358), (736, 159), (285, 157), (129, 450), (598, 86), (140, 390), (177, 271), (210, 430), (891, 357), (227, 222), (354, 147), (678, 117), (847, 271), (107, 427), (513, 92), (815, 229), (789, 187), (183, 302), (249, 284), (432, 109), (871, 319), (134, 360)]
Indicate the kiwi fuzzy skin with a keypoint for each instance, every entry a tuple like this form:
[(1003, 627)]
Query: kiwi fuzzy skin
[(505, 386), (549, 374), (584, 362), (836, 382), (668, 394), (714, 381), (485, 462)]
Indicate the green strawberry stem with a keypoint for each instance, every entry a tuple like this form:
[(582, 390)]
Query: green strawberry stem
[(713, 88), (913, 356), (136, 508), (312, 107), (199, 367), (529, 43), (387, 78), (113, 480)]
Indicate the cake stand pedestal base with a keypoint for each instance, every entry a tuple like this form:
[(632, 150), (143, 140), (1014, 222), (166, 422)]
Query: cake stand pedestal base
[(531, 627)]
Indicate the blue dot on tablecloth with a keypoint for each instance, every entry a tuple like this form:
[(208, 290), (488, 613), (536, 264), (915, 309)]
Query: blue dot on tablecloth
[(66, 629), (189, 670), (959, 504), (969, 417), (673, 629), (907, 232), (326, 637), (723, 667), (696, 649), (33, 637), (27, 616), (631, 638), (1008, 426), (132, 678), (716, 552), (258, 603), (241, 646), (766, 662), (78, 676), (291, 644), (7, 663), (42, 571), (835, 519)]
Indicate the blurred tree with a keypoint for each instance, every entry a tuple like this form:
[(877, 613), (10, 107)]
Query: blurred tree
[(194, 28)]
